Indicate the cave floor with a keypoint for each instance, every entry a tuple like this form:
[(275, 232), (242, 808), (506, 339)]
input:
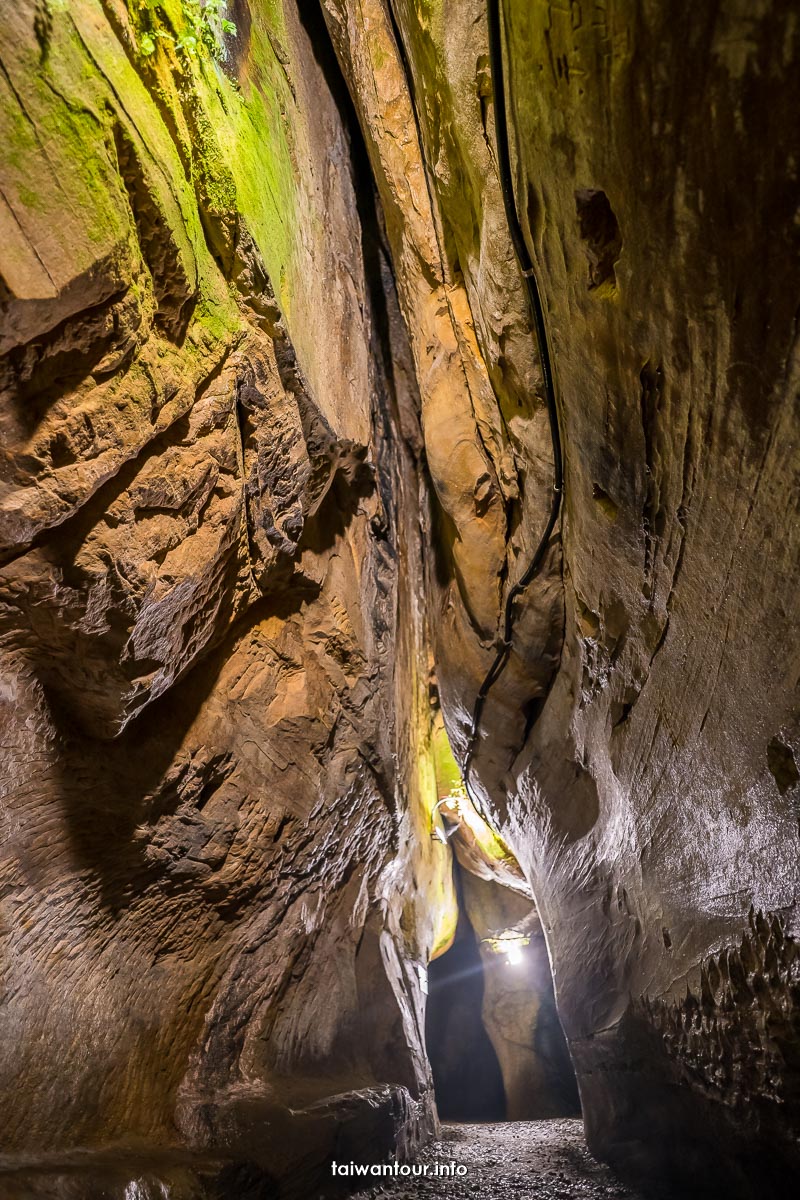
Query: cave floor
[(513, 1160)]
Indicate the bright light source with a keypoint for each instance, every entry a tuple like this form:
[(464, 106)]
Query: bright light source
[(511, 943), (514, 955)]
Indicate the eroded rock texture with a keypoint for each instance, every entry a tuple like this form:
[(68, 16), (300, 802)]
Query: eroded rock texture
[(218, 878), (275, 448), (652, 797)]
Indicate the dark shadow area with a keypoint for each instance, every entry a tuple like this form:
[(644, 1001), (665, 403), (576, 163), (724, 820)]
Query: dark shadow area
[(601, 235), (494, 1039), (466, 1073)]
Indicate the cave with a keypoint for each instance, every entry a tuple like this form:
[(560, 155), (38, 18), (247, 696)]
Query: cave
[(399, 721), (494, 1041), (466, 1073)]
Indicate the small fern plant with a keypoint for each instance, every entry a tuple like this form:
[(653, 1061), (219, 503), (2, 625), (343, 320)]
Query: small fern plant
[(206, 26)]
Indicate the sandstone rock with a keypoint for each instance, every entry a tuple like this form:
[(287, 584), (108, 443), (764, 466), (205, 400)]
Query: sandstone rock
[(274, 451), (646, 804), (216, 735)]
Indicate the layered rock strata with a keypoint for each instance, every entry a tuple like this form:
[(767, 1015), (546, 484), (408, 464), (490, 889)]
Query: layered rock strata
[(228, 378), (219, 885), (639, 755)]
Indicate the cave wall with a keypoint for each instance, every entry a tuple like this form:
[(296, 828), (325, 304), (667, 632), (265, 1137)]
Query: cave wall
[(653, 804), (219, 885), (679, 674), (226, 576)]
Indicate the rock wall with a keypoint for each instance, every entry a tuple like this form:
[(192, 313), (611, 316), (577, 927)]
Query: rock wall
[(678, 671), (639, 753), (219, 885), (221, 411)]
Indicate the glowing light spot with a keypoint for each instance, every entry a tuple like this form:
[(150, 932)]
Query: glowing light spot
[(514, 954), (510, 943)]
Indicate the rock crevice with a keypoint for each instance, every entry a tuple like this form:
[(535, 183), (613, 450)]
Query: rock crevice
[(275, 455)]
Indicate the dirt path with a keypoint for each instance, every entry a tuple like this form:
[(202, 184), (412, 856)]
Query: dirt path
[(530, 1160)]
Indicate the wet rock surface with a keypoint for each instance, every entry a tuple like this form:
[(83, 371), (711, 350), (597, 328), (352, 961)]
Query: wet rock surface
[(213, 643), (274, 449), (513, 1160), (639, 755)]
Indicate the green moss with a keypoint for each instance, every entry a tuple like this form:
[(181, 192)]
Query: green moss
[(191, 27), (30, 199), (61, 146), (451, 789), (216, 311), (213, 157), (258, 147), (448, 775)]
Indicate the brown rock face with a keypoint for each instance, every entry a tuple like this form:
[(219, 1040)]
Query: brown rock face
[(275, 448), (652, 798), (218, 880)]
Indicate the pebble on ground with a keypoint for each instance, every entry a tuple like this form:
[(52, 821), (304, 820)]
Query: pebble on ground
[(515, 1160)]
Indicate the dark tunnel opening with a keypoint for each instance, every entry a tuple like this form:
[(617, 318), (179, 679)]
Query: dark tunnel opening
[(494, 1039), (467, 1077)]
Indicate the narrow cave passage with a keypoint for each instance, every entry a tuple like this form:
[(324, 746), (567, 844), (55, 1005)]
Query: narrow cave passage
[(493, 1036), (466, 1072), (371, 369)]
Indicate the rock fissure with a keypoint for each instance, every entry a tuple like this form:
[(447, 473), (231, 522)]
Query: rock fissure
[(528, 272), (350, 770)]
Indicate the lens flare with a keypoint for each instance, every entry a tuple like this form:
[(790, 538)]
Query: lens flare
[(514, 955)]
